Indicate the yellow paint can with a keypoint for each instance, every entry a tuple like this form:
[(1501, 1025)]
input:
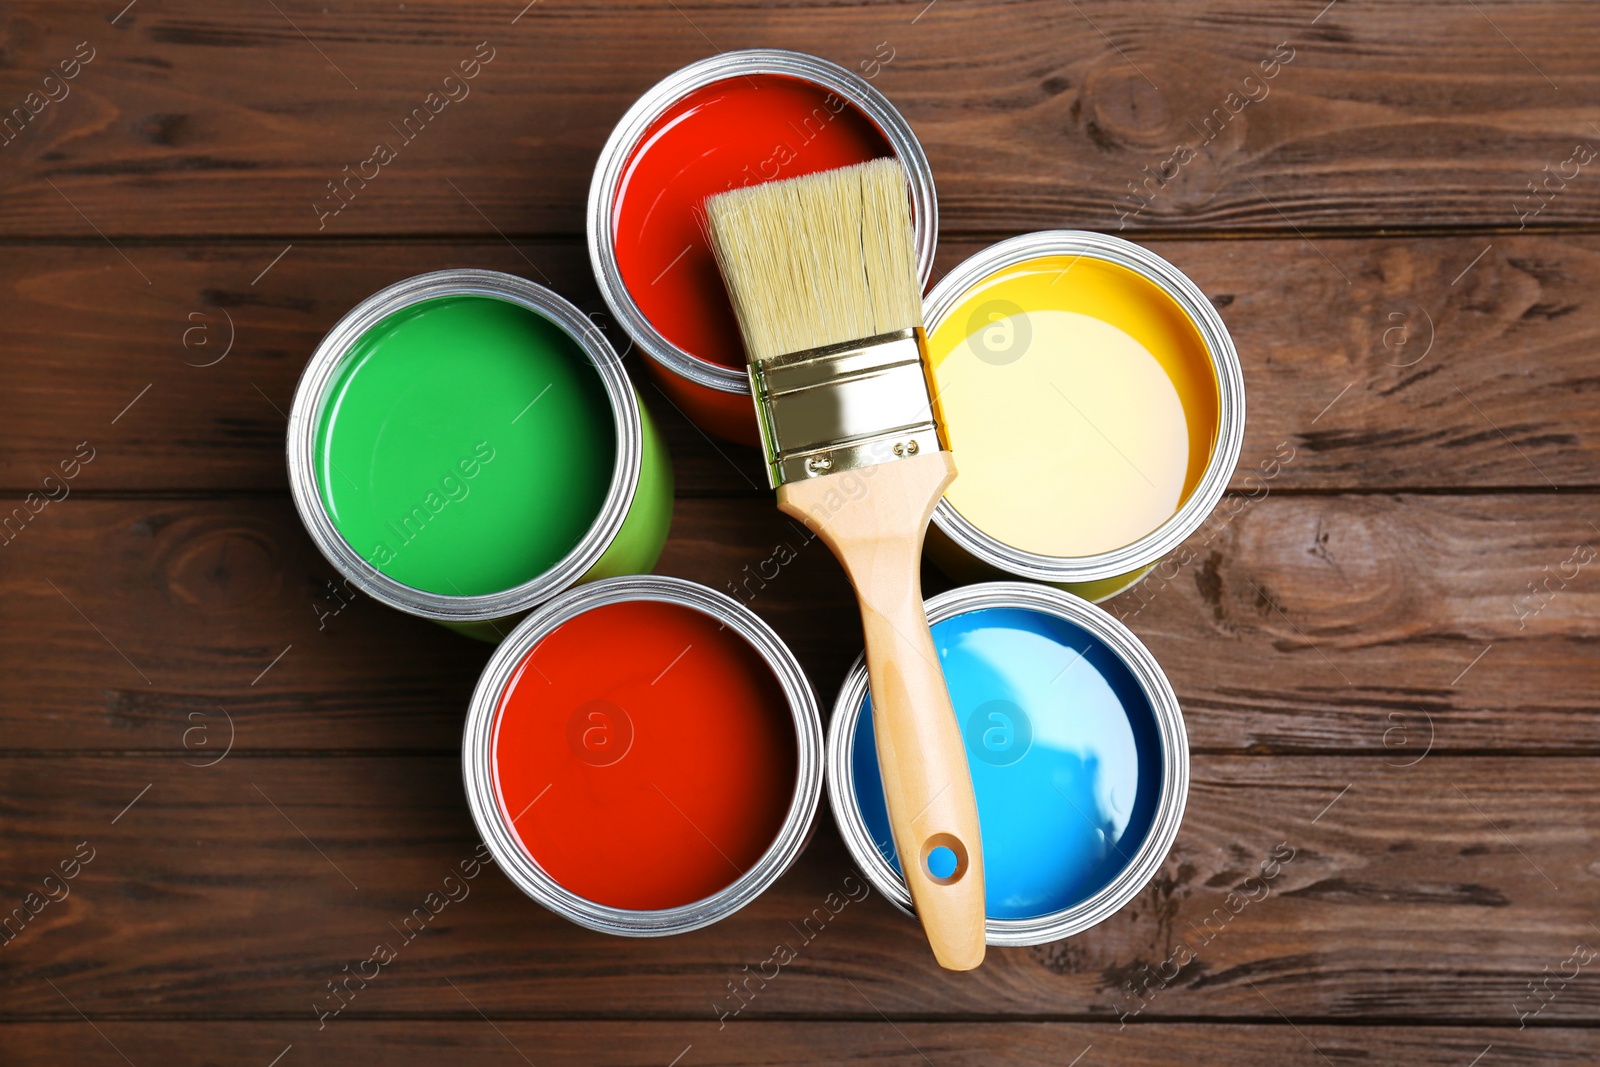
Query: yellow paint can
[(1095, 406)]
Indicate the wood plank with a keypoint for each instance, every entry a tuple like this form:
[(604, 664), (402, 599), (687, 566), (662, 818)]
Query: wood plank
[(1434, 368), (194, 119), (1435, 893), (1385, 647), (1409, 624), (404, 1043), (186, 607), (1375, 625)]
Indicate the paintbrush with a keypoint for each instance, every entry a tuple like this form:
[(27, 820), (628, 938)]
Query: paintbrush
[(821, 272)]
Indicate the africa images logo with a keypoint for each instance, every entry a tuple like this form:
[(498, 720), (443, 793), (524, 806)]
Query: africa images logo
[(998, 732)]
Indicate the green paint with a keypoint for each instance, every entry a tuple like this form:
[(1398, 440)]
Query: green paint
[(466, 446), (638, 543)]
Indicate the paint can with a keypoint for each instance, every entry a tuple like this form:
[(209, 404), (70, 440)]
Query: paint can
[(732, 119), (1094, 402), (465, 444), (643, 756), (1078, 754)]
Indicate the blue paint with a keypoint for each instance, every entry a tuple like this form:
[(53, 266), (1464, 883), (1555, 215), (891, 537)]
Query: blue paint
[(941, 862), (1064, 750)]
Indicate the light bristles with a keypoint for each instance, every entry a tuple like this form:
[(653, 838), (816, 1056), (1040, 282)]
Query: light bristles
[(818, 260)]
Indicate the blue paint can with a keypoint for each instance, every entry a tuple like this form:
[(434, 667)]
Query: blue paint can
[(1077, 749)]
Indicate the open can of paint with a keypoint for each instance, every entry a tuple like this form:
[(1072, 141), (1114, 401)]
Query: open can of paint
[(1095, 405), (643, 756), (1077, 749), (734, 119), (464, 445)]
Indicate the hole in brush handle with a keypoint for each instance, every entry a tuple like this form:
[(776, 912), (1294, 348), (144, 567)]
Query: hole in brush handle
[(944, 859)]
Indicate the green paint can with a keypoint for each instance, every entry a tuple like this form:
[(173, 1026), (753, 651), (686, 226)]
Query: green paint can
[(465, 444)]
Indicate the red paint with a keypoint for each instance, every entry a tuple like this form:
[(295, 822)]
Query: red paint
[(741, 131), (669, 772)]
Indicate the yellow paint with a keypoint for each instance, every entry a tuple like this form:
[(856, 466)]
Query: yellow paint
[(1080, 403)]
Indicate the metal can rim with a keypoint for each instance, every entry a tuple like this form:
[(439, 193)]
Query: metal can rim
[(492, 818), (947, 294), (603, 187), (322, 369), (1153, 850)]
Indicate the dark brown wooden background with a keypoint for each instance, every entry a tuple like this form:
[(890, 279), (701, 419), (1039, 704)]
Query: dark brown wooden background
[(1359, 658)]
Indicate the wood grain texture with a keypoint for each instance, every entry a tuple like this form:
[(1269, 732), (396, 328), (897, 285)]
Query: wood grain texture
[(411, 1043), (1434, 893), (1301, 624), (1384, 641), (1432, 368), (198, 119)]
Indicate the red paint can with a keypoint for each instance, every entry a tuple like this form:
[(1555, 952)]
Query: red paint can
[(734, 119), (643, 756)]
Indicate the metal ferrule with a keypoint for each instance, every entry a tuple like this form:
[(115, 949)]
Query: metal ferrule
[(846, 406)]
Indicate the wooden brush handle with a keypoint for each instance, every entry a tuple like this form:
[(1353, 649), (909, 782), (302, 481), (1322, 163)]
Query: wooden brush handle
[(874, 520)]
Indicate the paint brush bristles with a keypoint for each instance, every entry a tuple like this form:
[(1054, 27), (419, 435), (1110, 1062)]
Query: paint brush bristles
[(818, 260)]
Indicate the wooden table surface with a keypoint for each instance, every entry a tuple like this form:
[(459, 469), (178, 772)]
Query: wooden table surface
[(1385, 647)]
